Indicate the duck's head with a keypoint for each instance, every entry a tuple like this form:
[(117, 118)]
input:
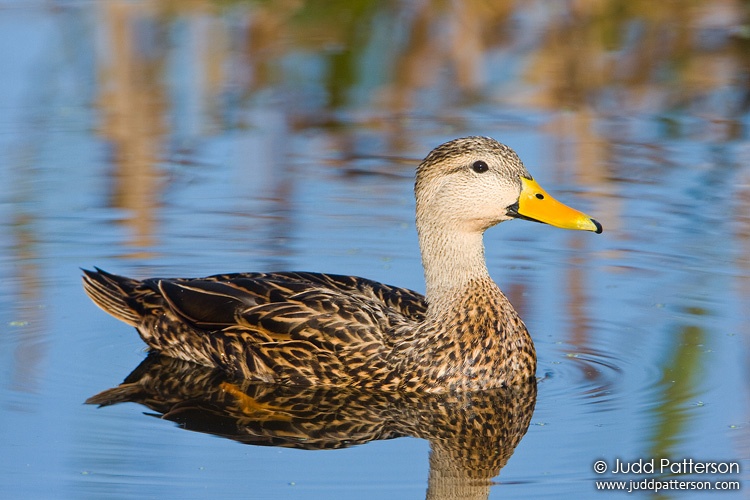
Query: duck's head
[(473, 183)]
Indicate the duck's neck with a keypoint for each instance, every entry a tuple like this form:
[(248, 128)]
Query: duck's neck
[(452, 260)]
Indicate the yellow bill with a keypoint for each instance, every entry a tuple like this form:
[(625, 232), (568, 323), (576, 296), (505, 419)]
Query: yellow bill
[(535, 204)]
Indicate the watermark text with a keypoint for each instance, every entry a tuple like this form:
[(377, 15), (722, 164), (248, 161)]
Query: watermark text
[(714, 472)]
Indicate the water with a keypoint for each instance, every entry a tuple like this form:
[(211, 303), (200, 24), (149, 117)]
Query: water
[(151, 138)]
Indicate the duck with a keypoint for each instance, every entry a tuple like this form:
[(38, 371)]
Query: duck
[(329, 330)]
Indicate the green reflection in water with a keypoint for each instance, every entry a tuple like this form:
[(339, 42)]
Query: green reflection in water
[(678, 388)]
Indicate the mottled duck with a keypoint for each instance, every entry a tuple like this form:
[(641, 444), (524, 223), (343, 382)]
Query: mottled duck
[(300, 328)]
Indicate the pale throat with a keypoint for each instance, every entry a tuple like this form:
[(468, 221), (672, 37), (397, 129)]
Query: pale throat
[(452, 259)]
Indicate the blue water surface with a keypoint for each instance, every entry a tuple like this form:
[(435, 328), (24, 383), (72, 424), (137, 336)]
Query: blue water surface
[(153, 138)]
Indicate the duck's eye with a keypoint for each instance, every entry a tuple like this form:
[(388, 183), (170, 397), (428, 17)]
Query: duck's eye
[(479, 166)]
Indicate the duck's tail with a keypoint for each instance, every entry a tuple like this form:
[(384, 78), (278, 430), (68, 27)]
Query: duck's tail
[(113, 294)]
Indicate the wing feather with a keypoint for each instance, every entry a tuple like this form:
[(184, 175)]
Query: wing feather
[(293, 327)]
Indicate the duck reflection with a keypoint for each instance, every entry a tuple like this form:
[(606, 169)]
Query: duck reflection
[(471, 435)]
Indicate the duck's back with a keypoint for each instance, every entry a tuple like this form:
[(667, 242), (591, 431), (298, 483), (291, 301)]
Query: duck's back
[(292, 327)]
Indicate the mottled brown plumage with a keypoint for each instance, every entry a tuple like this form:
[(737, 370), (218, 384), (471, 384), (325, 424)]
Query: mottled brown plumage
[(471, 434), (319, 329)]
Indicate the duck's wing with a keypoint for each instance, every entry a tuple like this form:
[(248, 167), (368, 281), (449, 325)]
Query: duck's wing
[(277, 287), (300, 328), (213, 302)]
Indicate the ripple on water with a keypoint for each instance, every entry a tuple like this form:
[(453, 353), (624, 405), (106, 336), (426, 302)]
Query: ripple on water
[(588, 376)]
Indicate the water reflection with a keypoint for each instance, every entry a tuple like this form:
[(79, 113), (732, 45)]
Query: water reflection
[(678, 388), (471, 436), (132, 100), (198, 127)]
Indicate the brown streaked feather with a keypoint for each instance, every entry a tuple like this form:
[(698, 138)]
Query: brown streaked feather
[(206, 304), (117, 295), (481, 429), (292, 328)]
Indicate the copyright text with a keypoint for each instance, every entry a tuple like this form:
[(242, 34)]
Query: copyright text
[(666, 467)]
